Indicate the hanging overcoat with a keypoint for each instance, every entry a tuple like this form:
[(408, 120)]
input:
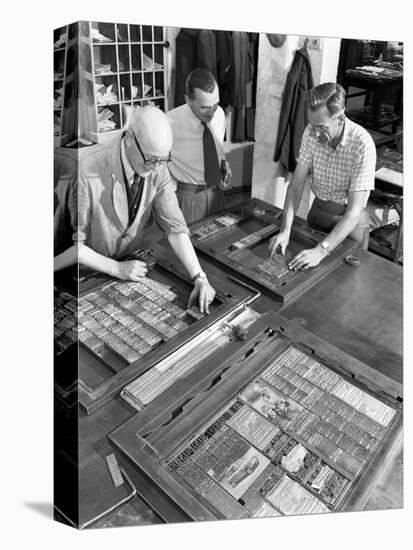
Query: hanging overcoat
[(293, 115)]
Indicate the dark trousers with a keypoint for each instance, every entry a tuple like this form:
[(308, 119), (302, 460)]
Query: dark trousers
[(324, 215)]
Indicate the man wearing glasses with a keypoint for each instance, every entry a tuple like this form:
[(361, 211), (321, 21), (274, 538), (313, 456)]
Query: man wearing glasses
[(119, 185), (341, 158)]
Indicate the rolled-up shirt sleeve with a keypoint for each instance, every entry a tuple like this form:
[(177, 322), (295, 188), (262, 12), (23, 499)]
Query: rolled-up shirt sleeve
[(165, 206), (364, 167)]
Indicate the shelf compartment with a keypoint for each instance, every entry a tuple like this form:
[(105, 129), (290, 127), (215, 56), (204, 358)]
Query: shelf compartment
[(122, 32), (135, 33), (148, 88), (102, 32), (125, 86), (137, 88), (159, 84), (124, 58), (106, 90), (158, 34), (147, 34), (108, 118), (104, 60), (136, 57)]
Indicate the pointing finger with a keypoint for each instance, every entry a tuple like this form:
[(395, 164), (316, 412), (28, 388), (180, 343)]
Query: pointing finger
[(202, 299), (192, 297)]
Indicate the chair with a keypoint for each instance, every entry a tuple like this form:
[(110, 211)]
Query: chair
[(393, 200)]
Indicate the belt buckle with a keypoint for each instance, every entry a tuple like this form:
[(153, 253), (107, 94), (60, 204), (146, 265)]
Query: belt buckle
[(206, 186)]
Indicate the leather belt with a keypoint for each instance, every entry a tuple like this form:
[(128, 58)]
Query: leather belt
[(195, 188)]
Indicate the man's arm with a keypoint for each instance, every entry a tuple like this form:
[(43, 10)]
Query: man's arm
[(183, 248), (355, 204), (130, 270), (313, 256), (292, 200), (66, 258), (170, 218)]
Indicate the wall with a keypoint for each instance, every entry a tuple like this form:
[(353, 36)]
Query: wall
[(270, 182), (170, 35)]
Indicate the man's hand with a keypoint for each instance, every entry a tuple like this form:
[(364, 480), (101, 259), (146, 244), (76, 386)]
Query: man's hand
[(279, 243), (131, 270), (307, 258), (226, 181), (205, 293)]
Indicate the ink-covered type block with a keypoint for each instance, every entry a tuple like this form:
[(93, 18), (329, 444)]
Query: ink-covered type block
[(119, 326), (242, 245)]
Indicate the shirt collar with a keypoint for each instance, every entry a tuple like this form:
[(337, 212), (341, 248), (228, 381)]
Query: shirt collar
[(346, 131), (194, 120), (129, 171)]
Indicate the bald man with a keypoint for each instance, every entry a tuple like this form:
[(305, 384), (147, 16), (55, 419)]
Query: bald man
[(110, 202)]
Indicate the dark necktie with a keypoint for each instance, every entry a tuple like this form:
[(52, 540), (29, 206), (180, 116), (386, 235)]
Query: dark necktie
[(211, 163), (134, 196)]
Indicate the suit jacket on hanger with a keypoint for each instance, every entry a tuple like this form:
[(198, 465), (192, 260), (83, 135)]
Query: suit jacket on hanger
[(225, 67), (240, 80), (206, 54), (241, 72), (293, 116), (185, 56)]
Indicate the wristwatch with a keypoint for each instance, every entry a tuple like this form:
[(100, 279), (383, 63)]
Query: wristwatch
[(200, 275), (325, 246)]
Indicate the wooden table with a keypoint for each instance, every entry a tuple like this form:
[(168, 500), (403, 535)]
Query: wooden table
[(359, 309), (381, 85), (356, 308)]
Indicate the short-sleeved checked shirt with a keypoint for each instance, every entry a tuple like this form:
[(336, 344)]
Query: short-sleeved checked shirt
[(336, 172)]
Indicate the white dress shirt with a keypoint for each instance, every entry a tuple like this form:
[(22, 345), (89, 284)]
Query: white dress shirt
[(187, 164), (129, 171)]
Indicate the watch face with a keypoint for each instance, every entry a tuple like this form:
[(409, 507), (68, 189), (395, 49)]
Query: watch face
[(200, 275)]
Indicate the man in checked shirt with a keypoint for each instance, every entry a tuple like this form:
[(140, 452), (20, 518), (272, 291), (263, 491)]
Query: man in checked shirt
[(341, 158)]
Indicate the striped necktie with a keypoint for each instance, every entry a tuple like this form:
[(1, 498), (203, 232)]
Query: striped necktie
[(211, 163)]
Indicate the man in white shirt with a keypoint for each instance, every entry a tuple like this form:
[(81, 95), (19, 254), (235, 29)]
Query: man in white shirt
[(198, 162)]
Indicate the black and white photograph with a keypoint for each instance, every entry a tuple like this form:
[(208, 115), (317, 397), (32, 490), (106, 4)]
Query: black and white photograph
[(197, 173), (227, 236)]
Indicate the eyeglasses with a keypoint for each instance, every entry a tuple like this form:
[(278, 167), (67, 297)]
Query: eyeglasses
[(153, 161), (337, 118)]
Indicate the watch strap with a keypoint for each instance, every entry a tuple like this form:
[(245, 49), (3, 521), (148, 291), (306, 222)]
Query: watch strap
[(325, 246), (200, 275)]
